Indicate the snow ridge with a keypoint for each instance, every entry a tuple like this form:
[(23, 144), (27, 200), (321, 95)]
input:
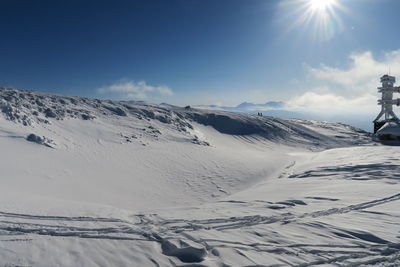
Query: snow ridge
[(34, 108)]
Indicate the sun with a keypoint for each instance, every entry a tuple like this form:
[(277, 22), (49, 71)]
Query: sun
[(320, 19), (321, 5)]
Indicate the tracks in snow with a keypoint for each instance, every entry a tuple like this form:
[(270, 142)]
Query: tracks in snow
[(172, 233), (247, 221), (112, 228)]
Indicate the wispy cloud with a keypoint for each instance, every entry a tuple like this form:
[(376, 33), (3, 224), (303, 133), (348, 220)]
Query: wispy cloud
[(350, 89), (363, 72), (132, 90), (332, 103)]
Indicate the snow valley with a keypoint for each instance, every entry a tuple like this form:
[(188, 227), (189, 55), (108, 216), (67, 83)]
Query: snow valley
[(88, 182)]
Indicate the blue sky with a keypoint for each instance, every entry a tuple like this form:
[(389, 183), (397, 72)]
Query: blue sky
[(204, 51)]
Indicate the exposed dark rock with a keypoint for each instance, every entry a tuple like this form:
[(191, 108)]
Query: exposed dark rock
[(35, 138), (163, 119), (87, 117), (40, 140), (50, 113), (116, 110)]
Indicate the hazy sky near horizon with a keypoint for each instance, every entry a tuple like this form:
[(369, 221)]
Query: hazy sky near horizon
[(309, 55)]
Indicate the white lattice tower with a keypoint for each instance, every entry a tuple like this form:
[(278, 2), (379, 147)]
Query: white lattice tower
[(387, 89)]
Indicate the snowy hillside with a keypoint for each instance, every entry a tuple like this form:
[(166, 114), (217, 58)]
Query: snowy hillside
[(87, 182)]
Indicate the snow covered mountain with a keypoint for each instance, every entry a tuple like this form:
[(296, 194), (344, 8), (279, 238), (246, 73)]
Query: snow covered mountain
[(88, 182), (248, 106), (282, 110)]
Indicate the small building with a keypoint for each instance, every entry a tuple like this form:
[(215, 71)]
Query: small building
[(390, 131)]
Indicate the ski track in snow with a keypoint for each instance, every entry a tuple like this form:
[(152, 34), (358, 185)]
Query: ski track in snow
[(166, 226), (146, 228)]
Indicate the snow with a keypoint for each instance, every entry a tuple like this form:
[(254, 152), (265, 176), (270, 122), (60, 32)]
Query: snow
[(132, 184)]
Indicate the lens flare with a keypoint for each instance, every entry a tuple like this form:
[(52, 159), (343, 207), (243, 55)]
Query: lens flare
[(321, 5), (318, 16)]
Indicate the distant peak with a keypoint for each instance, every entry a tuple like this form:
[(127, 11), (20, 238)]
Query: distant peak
[(245, 104)]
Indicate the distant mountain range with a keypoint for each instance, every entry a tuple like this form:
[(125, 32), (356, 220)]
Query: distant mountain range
[(268, 105), (247, 106)]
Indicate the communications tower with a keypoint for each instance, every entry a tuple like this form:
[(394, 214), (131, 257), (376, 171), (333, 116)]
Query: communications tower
[(387, 89)]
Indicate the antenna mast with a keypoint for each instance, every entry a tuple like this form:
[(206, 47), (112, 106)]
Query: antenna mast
[(387, 89)]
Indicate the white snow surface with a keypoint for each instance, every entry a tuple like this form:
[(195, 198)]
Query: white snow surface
[(106, 183)]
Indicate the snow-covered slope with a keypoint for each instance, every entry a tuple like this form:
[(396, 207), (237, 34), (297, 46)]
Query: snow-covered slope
[(87, 182)]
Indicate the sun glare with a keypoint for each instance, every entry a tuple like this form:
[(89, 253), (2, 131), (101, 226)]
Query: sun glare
[(321, 17), (321, 5)]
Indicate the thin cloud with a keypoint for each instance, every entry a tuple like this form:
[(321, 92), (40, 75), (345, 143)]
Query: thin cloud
[(350, 89), (330, 102), (135, 90), (363, 72)]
